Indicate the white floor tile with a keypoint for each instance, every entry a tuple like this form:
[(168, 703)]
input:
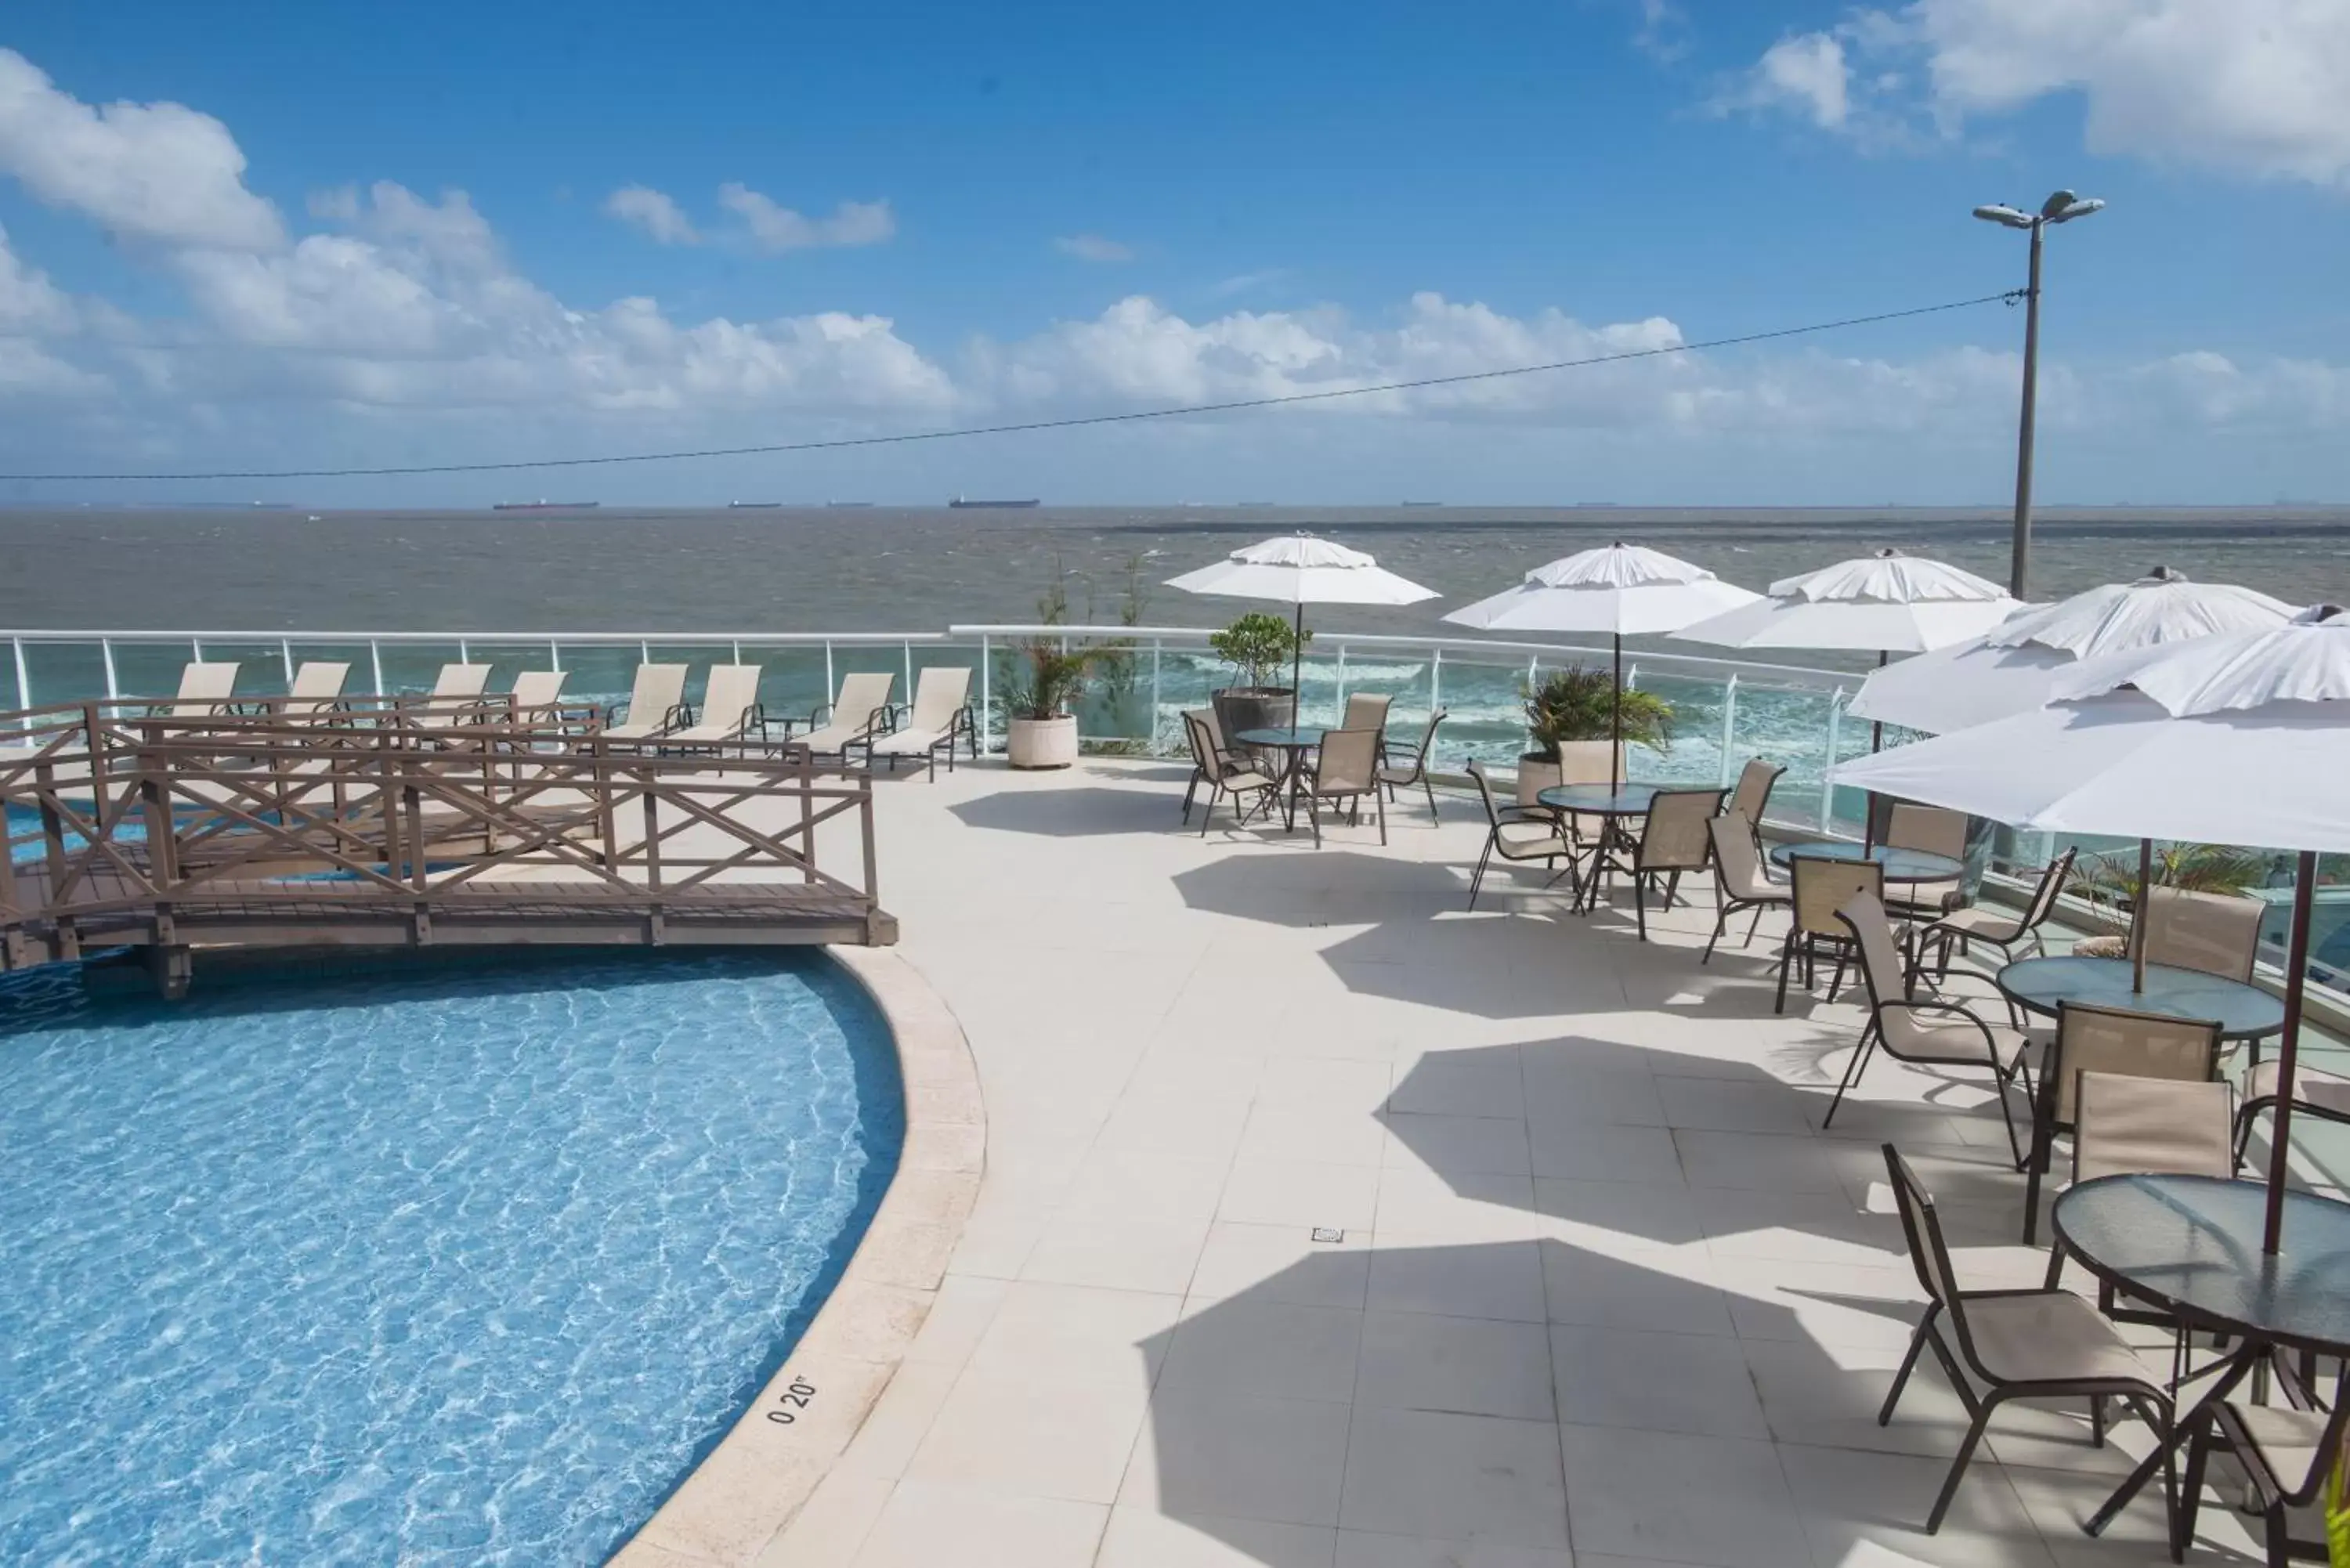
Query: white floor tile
[(1452, 1477), (1283, 1263), (922, 1526), (1490, 1280), (1143, 1538), (1477, 1366), (1718, 1501), (1656, 1382), (1240, 1456)]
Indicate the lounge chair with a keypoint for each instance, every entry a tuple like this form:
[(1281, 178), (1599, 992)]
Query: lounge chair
[(941, 714), (316, 686), (860, 713), (204, 692), (730, 709), (656, 704), (458, 682), (536, 690), (2018, 1344)]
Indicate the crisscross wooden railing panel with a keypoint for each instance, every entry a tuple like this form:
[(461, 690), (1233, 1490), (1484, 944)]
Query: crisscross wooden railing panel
[(384, 808)]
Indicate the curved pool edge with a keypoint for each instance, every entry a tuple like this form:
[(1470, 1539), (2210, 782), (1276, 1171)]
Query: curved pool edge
[(748, 1488)]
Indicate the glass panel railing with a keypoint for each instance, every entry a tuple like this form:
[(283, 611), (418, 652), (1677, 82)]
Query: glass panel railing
[(72, 671)]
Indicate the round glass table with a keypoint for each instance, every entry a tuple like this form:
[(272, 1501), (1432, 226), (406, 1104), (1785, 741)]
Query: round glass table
[(2243, 1011), (1900, 865), (2191, 1244), (1292, 744), (1612, 802)]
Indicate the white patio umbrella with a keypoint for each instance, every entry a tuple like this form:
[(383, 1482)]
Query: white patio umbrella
[(1300, 569), (1886, 603), (2010, 668), (1623, 590), (2237, 739)]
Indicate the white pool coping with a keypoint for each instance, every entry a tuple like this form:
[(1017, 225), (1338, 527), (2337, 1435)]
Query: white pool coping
[(752, 1484)]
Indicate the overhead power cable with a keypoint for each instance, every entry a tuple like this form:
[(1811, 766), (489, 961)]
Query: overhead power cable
[(1072, 423)]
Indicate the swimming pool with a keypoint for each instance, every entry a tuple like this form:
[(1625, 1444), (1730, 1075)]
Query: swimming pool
[(460, 1264)]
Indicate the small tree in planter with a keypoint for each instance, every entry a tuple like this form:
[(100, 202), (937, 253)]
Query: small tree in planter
[(1256, 646), (1570, 716)]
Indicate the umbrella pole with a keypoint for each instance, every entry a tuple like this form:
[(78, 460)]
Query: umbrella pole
[(2304, 895), (1868, 798), (2137, 915), (1615, 724), (1296, 669)]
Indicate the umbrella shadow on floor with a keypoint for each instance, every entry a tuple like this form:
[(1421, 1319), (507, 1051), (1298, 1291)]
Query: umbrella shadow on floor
[(1461, 1404), (1079, 811)]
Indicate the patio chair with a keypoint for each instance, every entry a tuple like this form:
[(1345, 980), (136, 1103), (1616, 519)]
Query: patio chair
[(205, 689), (1588, 765), (1817, 888), (1395, 774), (1924, 1031), (2285, 1451), (1755, 782), (860, 713), (1933, 830), (1741, 881), (535, 689), (1223, 772), (2106, 1040), (2213, 933), (730, 710), (939, 715), (2129, 1126), (1961, 929), (457, 682), (2019, 1344), (1345, 769), (1515, 833), (1368, 710), (656, 705), (1673, 839), (2325, 1096)]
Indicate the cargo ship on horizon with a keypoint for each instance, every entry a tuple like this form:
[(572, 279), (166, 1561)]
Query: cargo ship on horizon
[(544, 505), (965, 503)]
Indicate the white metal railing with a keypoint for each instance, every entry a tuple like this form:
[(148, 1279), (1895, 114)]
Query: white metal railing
[(1730, 706)]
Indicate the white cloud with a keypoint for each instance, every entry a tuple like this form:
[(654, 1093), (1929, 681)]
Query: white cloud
[(1093, 248), (157, 172), (772, 227), (1806, 75), (2255, 86), (654, 211), (30, 304)]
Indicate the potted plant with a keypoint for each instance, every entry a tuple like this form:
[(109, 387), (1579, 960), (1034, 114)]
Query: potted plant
[(1040, 695), (1256, 646), (1569, 717)]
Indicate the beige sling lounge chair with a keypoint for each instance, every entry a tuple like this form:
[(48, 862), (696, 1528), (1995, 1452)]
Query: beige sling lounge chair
[(730, 709), (458, 681), (537, 688), (656, 704), (317, 685), (853, 718), (204, 692), (940, 715)]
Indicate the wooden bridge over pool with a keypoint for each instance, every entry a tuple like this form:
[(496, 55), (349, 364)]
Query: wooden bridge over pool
[(395, 822)]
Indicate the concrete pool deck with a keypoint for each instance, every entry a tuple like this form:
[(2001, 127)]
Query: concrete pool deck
[(1602, 1290)]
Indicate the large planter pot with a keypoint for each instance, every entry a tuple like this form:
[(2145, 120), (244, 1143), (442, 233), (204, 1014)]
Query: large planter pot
[(1241, 708), (1533, 776), (1041, 743)]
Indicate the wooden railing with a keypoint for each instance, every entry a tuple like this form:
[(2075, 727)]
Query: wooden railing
[(396, 820)]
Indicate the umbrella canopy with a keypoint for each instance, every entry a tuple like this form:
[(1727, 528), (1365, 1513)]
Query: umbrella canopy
[(2236, 739), (1300, 569), (1884, 603), (1618, 590), (2012, 666)]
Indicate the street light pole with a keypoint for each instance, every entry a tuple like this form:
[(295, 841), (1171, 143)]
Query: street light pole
[(2060, 208)]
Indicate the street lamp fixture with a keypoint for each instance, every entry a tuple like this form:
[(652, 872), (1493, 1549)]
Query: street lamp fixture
[(2061, 207)]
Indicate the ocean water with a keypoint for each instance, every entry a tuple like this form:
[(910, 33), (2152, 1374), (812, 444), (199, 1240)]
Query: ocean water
[(459, 1265)]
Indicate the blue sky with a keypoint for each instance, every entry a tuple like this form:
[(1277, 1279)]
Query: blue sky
[(235, 238)]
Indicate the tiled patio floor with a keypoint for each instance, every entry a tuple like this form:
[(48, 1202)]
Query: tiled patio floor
[(1606, 1293)]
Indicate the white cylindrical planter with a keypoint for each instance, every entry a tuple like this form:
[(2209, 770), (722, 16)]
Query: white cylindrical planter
[(1041, 743)]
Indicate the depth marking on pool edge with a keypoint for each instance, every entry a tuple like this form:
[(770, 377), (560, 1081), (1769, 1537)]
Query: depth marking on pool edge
[(795, 1395)]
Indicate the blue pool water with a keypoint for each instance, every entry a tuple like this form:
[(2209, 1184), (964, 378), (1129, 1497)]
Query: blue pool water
[(458, 1265)]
